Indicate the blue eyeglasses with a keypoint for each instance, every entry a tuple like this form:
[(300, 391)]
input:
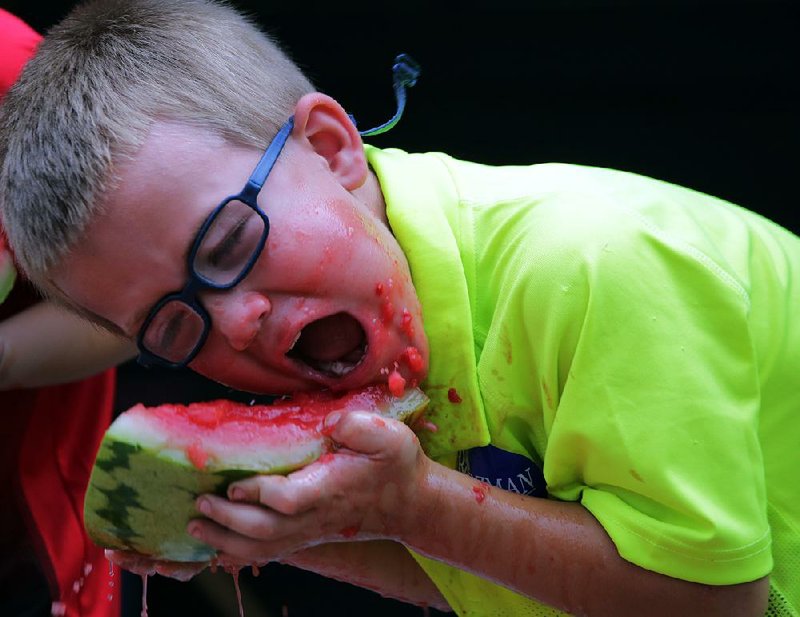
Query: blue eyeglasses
[(223, 252), (225, 249)]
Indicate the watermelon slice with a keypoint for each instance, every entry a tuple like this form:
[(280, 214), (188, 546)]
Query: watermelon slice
[(7, 271), (154, 461)]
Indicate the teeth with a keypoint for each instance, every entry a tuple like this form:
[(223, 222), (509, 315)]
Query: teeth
[(332, 368), (337, 368)]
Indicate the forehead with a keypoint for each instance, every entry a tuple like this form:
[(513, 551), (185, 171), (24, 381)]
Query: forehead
[(134, 249), (165, 160), (179, 174)]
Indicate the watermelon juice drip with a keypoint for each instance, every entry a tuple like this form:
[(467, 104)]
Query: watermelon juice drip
[(234, 572), (144, 595)]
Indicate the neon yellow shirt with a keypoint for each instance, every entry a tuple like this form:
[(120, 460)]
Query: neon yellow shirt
[(640, 340)]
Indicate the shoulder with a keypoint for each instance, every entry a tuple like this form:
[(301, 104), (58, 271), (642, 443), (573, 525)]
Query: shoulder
[(550, 218), (556, 216)]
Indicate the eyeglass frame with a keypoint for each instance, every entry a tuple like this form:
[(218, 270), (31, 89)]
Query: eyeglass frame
[(197, 282)]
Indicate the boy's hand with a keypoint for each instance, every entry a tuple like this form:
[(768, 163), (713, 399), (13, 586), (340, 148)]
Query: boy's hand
[(362, 491)]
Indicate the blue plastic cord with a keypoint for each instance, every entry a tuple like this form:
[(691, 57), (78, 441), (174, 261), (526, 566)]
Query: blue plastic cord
[(405, 72)]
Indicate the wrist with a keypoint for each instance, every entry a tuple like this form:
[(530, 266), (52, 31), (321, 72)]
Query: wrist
[(424, 504)]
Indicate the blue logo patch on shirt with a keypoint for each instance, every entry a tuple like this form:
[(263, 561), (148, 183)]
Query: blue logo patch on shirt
[(506, 470)]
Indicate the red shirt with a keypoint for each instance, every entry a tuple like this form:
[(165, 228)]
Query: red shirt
[(48, 441)]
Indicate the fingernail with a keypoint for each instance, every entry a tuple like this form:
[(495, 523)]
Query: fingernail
[(237, 494), (204, 506), (195, 531), (330, 422)]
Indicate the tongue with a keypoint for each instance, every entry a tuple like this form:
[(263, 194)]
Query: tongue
[(337, 337)]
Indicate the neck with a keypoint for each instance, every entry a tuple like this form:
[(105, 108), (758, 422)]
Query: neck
[(370, 194)]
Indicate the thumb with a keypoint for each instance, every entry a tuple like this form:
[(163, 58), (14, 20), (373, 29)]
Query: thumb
[(363, 431)]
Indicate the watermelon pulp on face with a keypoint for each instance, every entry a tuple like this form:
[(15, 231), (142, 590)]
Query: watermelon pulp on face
[(153, 462)]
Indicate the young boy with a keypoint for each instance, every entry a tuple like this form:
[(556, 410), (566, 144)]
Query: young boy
[(626, 347)]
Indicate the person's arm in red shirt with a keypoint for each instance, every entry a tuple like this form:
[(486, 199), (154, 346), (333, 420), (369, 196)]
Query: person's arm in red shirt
[(46, 344)]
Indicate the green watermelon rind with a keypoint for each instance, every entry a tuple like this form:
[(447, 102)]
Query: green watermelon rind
[(8, 274), (124, 510), (120, 503)]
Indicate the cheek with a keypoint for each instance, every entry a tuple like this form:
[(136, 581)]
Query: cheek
[(309, 264), (324, 245)]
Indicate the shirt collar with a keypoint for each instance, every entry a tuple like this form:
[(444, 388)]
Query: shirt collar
[(423, 209)]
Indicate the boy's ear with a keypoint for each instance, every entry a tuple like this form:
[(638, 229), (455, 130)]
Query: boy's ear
[(330, 132)]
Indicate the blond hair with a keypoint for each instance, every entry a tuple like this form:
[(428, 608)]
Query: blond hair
[(97, 83)]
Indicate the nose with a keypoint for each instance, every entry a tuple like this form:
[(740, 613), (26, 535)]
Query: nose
[(238, 316)]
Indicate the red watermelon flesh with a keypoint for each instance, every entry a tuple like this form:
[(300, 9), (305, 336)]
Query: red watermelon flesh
[(223, 434)]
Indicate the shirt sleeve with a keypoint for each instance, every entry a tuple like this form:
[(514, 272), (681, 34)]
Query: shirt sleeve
[(656, 429), (18, 42)]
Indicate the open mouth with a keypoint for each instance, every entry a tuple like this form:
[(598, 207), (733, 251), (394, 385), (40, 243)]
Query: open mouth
[(333, 345)]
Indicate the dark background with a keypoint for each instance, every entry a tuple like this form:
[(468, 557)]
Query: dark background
[(700, 93), (703, 93)]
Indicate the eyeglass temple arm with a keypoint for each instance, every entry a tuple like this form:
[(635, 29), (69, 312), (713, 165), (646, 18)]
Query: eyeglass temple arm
[(405, 72), (268, 159)]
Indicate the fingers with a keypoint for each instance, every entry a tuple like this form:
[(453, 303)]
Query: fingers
[(290, 495), (230, 546), (367, 433), (259, 489), (370, 447), (338, 496), (247, 532), (247, 519)]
